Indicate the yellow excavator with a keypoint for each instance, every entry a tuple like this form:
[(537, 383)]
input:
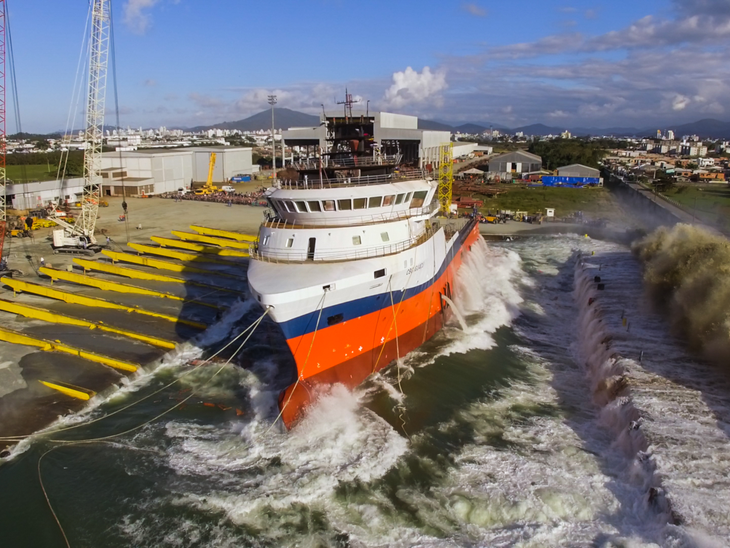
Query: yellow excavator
[(208, 188)]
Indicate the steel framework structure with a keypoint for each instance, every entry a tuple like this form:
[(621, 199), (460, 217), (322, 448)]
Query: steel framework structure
[(98, 62), (3, 138), (446, 176)]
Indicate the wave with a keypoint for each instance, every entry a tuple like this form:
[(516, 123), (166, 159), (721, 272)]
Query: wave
[(687, 269)]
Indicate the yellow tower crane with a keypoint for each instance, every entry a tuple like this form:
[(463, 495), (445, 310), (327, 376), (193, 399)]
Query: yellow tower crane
[(446, 177)]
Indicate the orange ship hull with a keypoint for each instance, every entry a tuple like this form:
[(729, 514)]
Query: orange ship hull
[(347, 353)]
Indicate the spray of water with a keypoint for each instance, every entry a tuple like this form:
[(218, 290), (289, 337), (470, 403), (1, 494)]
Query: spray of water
[(687, 269)]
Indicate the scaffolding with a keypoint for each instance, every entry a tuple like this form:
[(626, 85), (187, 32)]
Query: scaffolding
[(446, 176)]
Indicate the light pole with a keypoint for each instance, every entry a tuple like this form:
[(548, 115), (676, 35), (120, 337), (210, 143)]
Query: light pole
[(272, 102)]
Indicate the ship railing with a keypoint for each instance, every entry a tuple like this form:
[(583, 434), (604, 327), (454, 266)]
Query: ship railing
[(333, 255), (360, 161), (343, 182), (278, 223)]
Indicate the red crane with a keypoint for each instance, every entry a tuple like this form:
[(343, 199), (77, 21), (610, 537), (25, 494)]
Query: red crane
[(3, 140)]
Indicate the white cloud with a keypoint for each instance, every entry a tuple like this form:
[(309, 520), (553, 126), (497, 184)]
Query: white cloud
[(680, 102), (558, 114), (136, 16), (474, 9), (409, 87)]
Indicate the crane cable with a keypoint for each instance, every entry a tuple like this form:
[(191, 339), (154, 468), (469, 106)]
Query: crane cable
[(69, 443), (72, 111), (116, 110)]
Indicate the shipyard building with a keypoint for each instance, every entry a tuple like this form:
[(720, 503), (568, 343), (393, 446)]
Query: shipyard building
[(154, 171), (389, 133), (514, 165)]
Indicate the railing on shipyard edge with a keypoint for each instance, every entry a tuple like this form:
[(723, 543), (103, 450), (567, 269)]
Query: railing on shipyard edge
[(278, 223), (360, 161), (349, 254), (343, 182)]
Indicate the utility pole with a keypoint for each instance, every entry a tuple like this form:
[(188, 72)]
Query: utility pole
[(272, 102)]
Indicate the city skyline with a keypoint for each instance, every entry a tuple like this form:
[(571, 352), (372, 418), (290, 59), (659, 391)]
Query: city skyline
[(181, 63)]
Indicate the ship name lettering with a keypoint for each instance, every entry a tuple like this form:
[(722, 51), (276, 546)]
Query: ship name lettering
[(411, 270)]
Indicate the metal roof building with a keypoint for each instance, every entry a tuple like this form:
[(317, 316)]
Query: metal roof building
[(154, 171), (515, 163), (578, 170)]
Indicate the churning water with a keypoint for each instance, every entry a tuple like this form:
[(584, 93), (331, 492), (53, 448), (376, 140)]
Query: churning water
[(563, 415)]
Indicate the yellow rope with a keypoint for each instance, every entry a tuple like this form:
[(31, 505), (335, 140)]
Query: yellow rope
[(102, 438), (132, 404), (300, 375)]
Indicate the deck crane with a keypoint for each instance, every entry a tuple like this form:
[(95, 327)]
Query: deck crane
[(79, 237)]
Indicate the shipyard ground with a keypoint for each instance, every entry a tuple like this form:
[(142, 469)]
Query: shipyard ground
[(25, 404)]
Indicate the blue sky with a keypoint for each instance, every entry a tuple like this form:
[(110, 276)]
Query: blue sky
[(564, 63)]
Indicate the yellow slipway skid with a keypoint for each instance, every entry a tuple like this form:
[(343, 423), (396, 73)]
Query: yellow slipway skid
[(114, 286), (179, 255), (75, 392), (48, 346), (224, 233), (72, 298), (141, 275), (223, 242), (52, 317), (169, 242)]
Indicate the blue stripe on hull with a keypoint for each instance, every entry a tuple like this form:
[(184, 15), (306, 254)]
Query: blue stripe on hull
[(304, 324)]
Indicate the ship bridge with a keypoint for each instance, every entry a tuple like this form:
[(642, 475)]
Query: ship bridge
[(346, 222)]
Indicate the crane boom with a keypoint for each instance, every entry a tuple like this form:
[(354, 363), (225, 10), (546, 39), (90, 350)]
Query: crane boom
[(3, 141), (98, 61), (81, 234), (211, 167)]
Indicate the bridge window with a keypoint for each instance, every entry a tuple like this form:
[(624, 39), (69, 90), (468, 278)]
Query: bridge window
[(375, 201), (301, 206), (360, 203), (290, 242), (399, 199), (418, 198), (289, 206), (314, 206), (356, 240), (344, 205), (408, 197), (265, 241), (329, 205), (388, 200)]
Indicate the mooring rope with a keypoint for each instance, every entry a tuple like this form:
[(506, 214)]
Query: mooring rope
[(132, 404), (300, 375), (69, 443)]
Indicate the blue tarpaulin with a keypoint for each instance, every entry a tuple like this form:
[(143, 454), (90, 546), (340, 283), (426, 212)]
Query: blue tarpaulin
[(574, 182)]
